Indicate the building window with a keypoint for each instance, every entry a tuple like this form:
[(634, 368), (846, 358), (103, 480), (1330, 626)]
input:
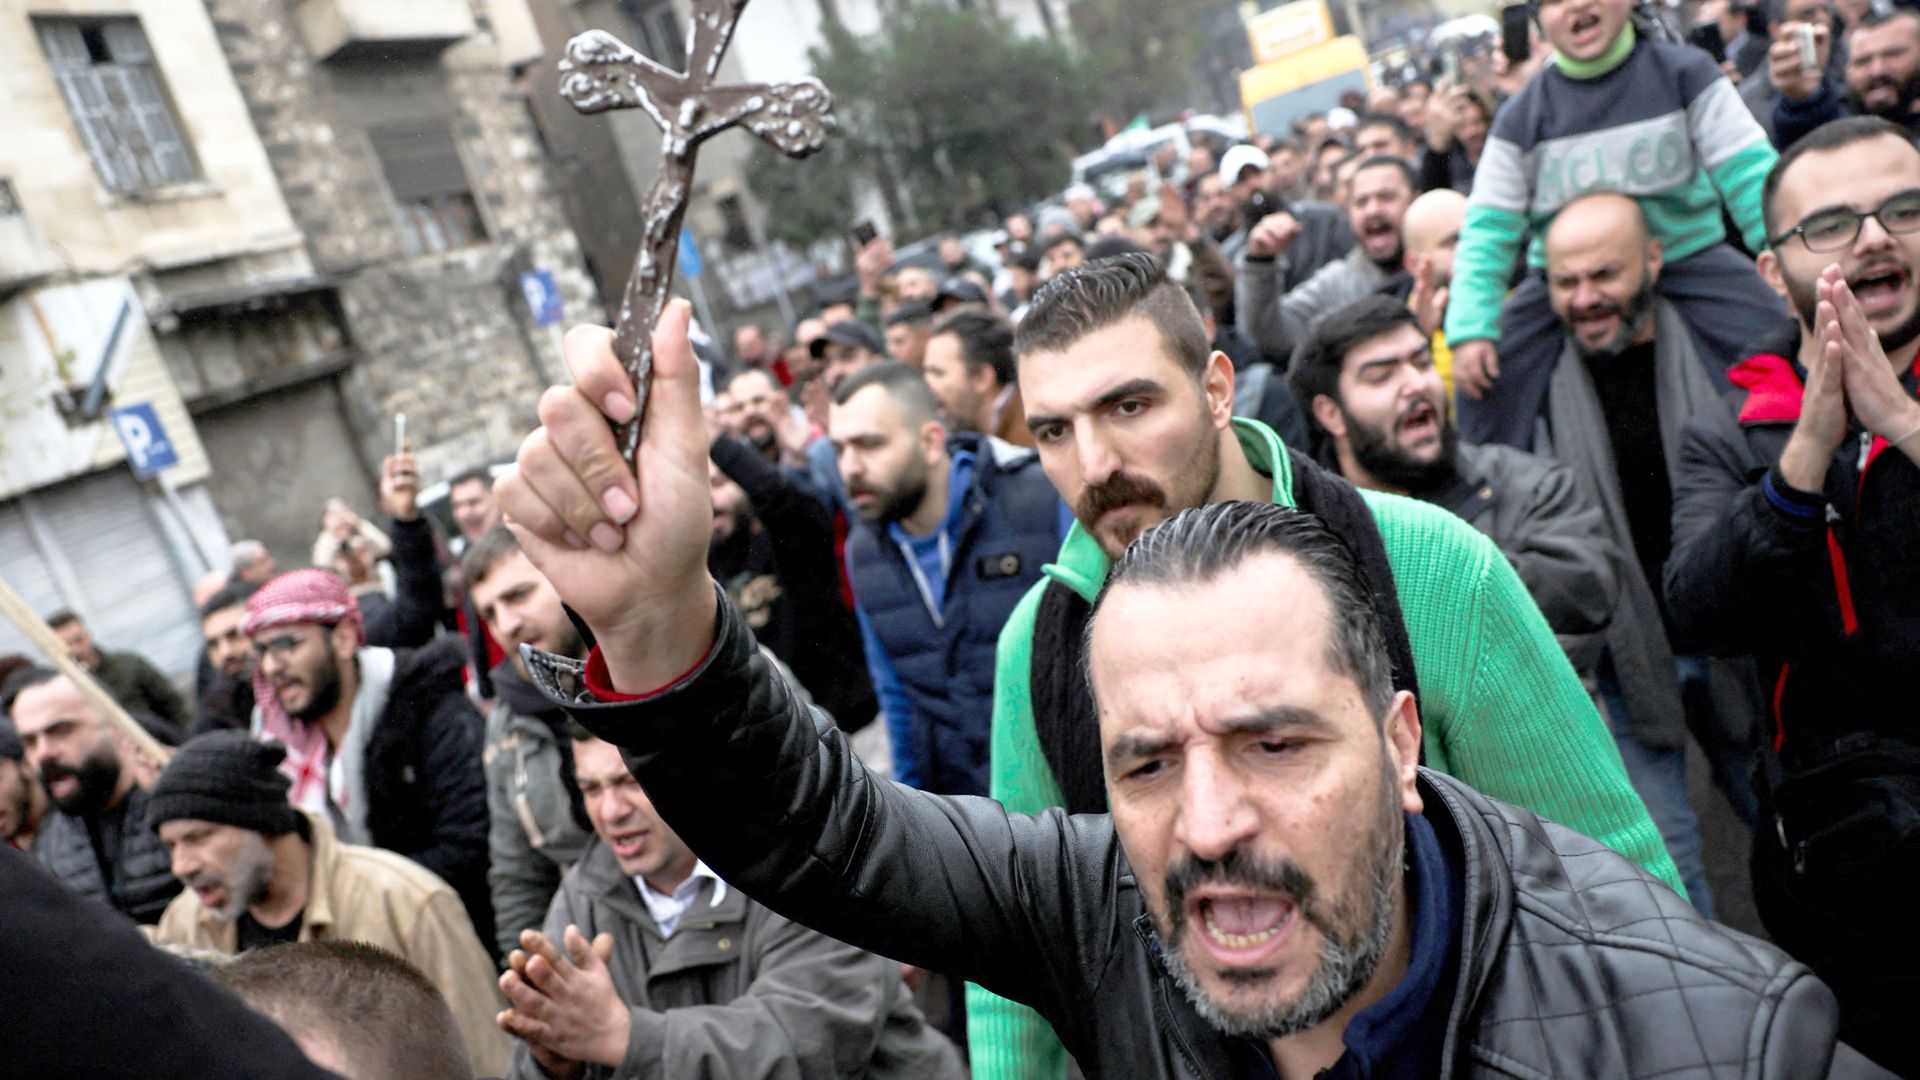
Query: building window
[(117, 98), (435, 204), (657, 31)]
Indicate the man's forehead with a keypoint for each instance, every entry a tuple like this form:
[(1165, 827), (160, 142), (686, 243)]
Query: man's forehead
[(1252, 656), (1395, 344), (1063, 381), (293, 629), (1860, 175), (597, 760), (871, 410), (39, 707)]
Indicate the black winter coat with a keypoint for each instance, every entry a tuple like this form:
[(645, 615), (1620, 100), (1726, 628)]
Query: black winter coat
[(426, 789), (86, 996), (1574, 963), (1825, 588)]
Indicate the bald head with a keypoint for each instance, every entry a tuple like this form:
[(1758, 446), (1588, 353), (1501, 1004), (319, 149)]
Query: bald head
[(1431, 230), (1598, 219), (1601, 268)]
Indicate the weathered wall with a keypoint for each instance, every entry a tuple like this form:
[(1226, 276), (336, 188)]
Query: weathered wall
[(445, 338)]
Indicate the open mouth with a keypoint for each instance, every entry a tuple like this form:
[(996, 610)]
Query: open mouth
[(1880, 289), (1239, 927), (1584, 26), (628, 845), (1419, 423), (1596, 322)]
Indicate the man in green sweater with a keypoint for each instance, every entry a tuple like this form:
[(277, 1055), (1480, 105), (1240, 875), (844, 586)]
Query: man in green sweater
[(1133, 419)]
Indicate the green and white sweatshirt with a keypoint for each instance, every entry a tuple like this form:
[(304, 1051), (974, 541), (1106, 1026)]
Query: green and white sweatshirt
[(1653, 120)]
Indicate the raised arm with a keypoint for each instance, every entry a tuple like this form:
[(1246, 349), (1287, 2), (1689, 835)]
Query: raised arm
[(774, 801)]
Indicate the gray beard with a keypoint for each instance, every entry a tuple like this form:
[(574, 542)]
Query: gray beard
[(1345, 967)]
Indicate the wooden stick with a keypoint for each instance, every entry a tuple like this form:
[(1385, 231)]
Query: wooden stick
[(37, 631)]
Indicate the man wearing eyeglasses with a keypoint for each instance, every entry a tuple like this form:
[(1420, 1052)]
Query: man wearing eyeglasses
[(381, 742), (1626, 381), (1796, 527)]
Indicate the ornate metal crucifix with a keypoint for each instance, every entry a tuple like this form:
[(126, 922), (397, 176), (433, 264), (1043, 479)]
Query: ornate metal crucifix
[(599, 73)]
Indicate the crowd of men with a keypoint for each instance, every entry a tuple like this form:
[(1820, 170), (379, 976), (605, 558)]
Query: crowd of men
[(1258, 628)]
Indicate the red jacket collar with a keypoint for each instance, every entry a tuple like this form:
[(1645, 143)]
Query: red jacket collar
[(1773, 387)]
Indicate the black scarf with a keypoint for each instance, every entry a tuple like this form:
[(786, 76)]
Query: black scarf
[(1063, 712)]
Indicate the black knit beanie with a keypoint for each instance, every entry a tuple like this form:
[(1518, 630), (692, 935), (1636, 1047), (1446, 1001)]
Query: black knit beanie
[(228, 778)]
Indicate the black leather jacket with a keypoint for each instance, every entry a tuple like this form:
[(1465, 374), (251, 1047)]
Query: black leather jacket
[(1045, 910)]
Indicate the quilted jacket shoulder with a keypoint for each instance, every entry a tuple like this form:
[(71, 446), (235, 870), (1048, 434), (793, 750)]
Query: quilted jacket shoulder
[(1578, 964)]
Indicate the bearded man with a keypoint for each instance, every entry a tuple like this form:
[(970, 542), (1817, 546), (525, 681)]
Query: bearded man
[(93, 839), (259, 872), (382, 742)]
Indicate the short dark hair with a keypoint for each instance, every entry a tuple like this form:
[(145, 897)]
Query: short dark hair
[(913, 311), (1106, 247), (469, 475), (902, 382), (376, 1009), (486, 553), (746, 372), (1059, 238), (21, 680), (233, 594), (1388, 161), (62, 617), (1831, 135), (1386, 120), (985, 338), (1198, 545), (1321, 358), (1100, 293)]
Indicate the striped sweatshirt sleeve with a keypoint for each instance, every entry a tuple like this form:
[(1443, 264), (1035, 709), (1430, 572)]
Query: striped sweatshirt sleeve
[(1733, 148), (1490, 239)]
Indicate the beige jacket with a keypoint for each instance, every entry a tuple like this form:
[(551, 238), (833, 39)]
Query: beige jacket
[(366, 894)]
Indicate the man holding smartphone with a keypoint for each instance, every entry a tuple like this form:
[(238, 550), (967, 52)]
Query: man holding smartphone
[(1882, 78)]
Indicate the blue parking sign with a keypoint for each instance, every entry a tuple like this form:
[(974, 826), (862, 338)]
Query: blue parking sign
[(149, 450), (543, 297), (690, 264)]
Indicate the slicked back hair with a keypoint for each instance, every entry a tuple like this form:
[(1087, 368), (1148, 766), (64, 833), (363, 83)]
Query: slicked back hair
[(1831, 135), (374, 1007), (1196, 546), (1103, 292), (985, 338), (902, 382)]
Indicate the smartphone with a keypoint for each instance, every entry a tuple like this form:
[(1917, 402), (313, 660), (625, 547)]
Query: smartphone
[(864, 233), (1707, 36), (1516, 32), (1450, 67), (1809, 53), (399, 433)]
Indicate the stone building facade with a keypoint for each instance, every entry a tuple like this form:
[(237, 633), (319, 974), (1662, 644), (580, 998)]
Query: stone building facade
[(408, 159)]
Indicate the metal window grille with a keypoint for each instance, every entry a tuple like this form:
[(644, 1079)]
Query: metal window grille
[(114, 90), (437, 210)]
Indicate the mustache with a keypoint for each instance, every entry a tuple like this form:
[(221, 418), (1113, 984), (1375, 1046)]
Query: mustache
[(1605, 307), (53, 770), (1120, 489), (1280, 876)]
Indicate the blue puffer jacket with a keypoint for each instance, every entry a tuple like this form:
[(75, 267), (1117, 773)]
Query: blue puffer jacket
[(935, 675)]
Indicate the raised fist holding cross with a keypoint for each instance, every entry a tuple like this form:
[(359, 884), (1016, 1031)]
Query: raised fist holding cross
[(599, 72)]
